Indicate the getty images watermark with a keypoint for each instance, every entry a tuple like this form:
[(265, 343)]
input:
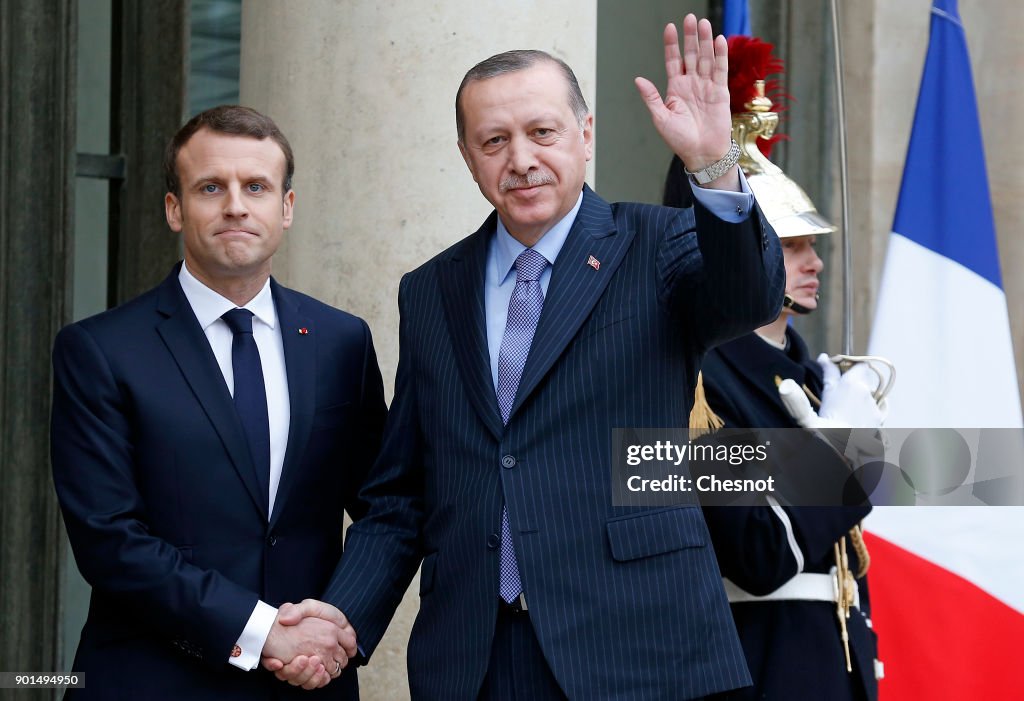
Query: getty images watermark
[(835, 467)]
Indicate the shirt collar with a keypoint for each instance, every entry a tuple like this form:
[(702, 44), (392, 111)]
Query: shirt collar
[(209, 305), (507, 248)]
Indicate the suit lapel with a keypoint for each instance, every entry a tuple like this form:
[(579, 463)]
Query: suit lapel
[(300, 363), (188, 344), (461, 279), (575, 286)]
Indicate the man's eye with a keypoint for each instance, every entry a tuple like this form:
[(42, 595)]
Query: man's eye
[(255, 187), (494, 141), (210, 188), (542, 132)]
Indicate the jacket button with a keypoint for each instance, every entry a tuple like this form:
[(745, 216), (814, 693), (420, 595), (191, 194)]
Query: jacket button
[(493, 541), (508, 462), (272, 541)]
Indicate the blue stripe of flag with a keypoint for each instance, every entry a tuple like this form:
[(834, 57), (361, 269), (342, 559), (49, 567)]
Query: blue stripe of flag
[(944, 202), (735, 18)]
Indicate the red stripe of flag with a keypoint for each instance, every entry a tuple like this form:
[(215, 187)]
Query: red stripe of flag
[(940, 636)]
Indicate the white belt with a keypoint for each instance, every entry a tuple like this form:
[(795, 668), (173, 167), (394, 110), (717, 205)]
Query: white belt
[(805, 586)]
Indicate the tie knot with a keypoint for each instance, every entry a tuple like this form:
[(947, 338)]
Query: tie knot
[(529, 266), (240, 320)]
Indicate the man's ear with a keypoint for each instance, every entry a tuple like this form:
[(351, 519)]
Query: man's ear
[(172, 210), (289, 208), (465, 157), (588, 136)]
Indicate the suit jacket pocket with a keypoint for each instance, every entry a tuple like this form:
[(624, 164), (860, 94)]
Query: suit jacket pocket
[(331, 416), (605, 320), (427, 574), (651, 533)]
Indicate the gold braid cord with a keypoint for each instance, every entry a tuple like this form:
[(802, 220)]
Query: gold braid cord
[(861, 548), (844, 600)]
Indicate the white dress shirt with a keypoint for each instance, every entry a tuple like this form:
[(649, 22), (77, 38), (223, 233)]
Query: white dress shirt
[(209, 306)]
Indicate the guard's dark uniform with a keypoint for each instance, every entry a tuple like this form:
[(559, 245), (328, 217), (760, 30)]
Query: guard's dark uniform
[(793, 647)]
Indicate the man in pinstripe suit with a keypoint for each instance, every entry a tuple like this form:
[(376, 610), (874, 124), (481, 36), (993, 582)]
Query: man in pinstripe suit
[(533, 585)]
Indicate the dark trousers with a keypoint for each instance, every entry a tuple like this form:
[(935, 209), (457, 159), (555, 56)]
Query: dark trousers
[(517, 670)]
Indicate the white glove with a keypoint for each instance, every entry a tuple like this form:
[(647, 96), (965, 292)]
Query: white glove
[(846, 398), (846, 403)]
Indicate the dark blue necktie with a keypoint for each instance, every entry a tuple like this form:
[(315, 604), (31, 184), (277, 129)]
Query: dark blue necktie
[(524, 310), (251, 395)]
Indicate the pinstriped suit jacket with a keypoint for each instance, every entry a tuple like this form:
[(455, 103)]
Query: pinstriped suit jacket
[(627, 603)]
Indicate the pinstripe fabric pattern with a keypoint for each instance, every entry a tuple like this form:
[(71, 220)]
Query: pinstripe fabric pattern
[(627, 603)]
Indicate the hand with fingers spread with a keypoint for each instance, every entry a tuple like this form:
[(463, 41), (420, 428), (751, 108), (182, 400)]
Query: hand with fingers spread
[(309, 662), (694, 117)]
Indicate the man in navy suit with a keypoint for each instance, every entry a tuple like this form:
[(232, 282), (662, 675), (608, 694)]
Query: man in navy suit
[(204, 436), (522, 348)]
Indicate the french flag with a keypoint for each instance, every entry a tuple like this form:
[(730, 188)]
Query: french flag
[(735, 18), (947, 583)]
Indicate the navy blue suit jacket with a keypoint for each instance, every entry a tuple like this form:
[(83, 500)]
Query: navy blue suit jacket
[(160, 496), (626, 602), (793, 648)]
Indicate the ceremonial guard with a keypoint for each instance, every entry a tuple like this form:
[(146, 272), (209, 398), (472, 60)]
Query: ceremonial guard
[(795, 575)]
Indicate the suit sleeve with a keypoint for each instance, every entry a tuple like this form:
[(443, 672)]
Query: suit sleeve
[(94, 471), (372, 414), (721, 279), (382, 550)]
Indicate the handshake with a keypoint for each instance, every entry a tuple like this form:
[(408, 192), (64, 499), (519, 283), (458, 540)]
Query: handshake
[(309, 644)]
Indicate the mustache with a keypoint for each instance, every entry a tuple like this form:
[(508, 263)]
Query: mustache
[(531, 179)]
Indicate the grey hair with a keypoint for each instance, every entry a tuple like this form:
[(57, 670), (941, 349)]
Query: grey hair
[(511, 62)]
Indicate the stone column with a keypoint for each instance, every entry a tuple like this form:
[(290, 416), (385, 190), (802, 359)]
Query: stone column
[(37, 136), (365, 91)]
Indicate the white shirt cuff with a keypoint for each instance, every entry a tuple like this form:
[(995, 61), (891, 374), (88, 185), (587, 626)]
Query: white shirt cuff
[(732, 207), (254, 636)]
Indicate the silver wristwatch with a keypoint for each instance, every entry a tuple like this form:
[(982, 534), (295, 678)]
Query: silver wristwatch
[(719, 167)]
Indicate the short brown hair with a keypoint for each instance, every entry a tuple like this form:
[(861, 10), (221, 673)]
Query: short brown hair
[(227, 119), (512, 62)]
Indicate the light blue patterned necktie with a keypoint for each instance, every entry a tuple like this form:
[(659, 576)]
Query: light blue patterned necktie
[(523, 313)]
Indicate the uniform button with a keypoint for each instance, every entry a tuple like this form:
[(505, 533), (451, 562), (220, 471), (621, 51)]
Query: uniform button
[(493, 541), (508, 462), (272, 541)]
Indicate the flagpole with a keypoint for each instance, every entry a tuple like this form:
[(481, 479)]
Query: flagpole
[(843, 186)]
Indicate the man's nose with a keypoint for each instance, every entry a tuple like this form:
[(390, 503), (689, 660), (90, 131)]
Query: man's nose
[(816, 263), (235, 205), (522, 155)]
